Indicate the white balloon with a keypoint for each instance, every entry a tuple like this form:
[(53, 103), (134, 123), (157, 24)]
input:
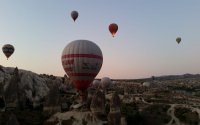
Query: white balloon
[(96, 83), (146, 84), (105, 82)]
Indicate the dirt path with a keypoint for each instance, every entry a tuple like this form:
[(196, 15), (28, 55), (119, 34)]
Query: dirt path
[(146, 101), (170, 112)]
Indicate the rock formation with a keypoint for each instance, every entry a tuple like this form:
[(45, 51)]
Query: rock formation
[(76, 118), (12, 120), (114, 115), (11, 93), (98, 104), (19, 86)]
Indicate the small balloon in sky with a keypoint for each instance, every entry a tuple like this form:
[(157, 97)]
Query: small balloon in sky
[(113, 28), (105, 82), (74, 15), (8, 50), (178, 40)]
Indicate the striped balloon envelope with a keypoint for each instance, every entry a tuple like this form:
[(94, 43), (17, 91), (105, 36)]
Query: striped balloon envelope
[(82, 61), (8, 50)]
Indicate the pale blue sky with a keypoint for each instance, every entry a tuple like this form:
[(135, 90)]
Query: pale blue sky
[(144, 44)]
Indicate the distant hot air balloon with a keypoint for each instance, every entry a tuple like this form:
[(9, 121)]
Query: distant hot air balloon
[(74, 15), (113, 29), (96, 83), (82, 60), (178, 40), (105, 83), (8, 50)]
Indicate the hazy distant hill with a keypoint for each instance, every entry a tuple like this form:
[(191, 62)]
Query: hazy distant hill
[(161, 78), (171, 77)]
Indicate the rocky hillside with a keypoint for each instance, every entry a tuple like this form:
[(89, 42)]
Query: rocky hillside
[(17, 82)]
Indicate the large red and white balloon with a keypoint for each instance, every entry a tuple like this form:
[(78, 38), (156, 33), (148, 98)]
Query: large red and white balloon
[(82, 61)]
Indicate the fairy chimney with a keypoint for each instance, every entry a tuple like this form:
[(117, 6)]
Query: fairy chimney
[(114, 115), (11, 93), (98, 104)]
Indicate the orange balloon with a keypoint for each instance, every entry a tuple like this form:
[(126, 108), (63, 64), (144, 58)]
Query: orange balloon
[(113, 29)]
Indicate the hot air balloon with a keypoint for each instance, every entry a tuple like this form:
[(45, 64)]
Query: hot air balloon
[(113, 29), (147, 84), (96, 83), (74, 15), (105, 83), (8, 50), (82, 60), (178, 40)]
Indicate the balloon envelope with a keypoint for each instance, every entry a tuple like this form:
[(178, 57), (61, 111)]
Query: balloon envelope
[(147, 84), (8, 50), (96, 83), (82, 60), (74, 15), (178, 40), (105, 82), (113, 28)]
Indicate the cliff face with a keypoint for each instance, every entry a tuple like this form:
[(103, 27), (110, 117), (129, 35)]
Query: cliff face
[(21, 89), (15, 83)]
